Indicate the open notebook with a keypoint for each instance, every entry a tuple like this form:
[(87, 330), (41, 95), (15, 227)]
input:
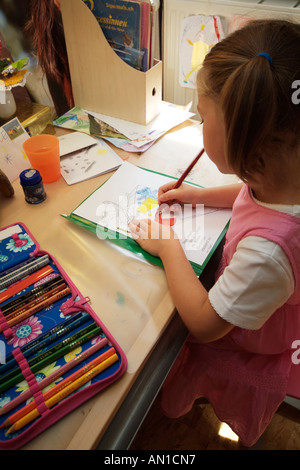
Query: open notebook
[(131, 192)]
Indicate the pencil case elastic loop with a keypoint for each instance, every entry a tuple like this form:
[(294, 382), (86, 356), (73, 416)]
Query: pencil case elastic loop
[(31, 381), (5, 328), (23, 364), (37, 394), (38, 252), (72, 305), (40, 403), (27, 374)]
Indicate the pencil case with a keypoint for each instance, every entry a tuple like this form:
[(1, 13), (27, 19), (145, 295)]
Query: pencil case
[(55, 353)]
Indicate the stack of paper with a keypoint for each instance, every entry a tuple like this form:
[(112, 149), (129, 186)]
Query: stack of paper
[(126, 135)]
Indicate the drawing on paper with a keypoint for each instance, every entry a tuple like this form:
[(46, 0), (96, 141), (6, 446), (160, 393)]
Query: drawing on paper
[(140, 203), (197, 36)]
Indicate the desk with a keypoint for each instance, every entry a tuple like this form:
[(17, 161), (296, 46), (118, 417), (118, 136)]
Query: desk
[(129, 295)]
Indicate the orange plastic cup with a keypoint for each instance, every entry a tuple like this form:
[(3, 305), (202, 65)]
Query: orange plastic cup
[(43, 153)]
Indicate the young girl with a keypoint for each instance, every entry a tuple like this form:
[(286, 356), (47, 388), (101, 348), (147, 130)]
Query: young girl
[(239, 352)]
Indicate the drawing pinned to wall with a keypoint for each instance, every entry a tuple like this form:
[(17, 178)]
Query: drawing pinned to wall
[(198, 35)]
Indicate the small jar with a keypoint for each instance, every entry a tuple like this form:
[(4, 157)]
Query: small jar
[(33, 187)]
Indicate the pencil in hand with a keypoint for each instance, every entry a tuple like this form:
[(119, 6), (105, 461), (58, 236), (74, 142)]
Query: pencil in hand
[(188, 170), (185, 174)]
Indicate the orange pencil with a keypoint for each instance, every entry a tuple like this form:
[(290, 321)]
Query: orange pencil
[(27, 281), (36, 301), (55, 375), (57, 388), (188, 170), (182, 178), (37, 308), (63, 393)]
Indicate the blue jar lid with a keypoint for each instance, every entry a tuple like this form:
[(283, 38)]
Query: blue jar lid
[(30, 177)]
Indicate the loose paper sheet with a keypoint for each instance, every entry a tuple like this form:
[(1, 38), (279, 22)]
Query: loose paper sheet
[(89, 162), (74, 142)]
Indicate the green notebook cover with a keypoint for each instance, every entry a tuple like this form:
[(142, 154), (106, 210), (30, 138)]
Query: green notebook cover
[(120, 238)]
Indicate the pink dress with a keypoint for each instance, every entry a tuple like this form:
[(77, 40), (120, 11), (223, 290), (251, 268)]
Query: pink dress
[(245, 374)]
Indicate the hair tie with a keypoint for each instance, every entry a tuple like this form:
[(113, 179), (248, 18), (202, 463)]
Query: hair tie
[(267, 56)]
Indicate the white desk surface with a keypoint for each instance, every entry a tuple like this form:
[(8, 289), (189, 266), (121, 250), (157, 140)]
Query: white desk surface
[(129, 295)]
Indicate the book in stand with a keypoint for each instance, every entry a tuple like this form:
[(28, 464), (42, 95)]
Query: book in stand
[(126, 26)]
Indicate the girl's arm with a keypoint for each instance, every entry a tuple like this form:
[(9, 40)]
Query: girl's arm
[(220, 196), (189, 296)]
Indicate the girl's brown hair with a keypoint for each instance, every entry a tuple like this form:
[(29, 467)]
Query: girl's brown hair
[(254, 95)]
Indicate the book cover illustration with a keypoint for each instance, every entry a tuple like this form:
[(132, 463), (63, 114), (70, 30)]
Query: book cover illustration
[(121, 25)]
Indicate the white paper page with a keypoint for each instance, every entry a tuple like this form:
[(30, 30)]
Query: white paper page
[(92, 161), (169, 117), (132, 193), (73, 142)]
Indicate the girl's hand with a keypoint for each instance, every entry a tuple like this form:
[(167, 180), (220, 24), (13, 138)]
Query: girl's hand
[(221, 196), (185, 194), (153, 237)]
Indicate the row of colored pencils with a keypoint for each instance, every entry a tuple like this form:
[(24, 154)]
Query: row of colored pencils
[(50, 346)]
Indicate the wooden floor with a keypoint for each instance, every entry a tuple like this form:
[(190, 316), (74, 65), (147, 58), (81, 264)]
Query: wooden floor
[(199, 430)]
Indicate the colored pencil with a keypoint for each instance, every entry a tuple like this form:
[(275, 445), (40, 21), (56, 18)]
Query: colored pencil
[(49, 352), (29, 295), (55, 375), (54, 357), (181, 179), (36, 301), (43, 336), (58, 387), (20, 285), (41, 345), (23, 271), (14, 268), (188, 170), (46, 303), (63, 393)]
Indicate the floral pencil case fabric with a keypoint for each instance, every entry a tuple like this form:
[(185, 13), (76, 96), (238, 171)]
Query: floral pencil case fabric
[(55, 353)]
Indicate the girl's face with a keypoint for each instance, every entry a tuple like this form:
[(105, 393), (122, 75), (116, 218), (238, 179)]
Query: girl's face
[(213, 132)]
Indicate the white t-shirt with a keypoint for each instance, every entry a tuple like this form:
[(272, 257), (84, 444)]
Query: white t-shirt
[(246, 297)]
